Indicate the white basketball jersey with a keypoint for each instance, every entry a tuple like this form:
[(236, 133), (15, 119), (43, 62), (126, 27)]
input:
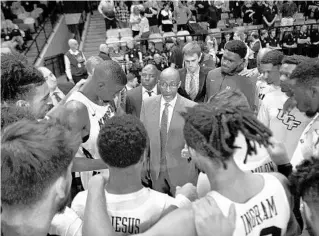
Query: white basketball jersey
[(130, 213), (286, 127), (265, 214), (96, 113), (262, 88), (308, 144)]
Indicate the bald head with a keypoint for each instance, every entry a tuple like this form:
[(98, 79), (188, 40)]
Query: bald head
[(170, 73), (73, 44), (104, 48)]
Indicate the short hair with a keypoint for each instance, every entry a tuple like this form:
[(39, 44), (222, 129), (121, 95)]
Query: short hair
[(151, 42), (255, 35), (305, 180), (273, 57), (263, 32), (122, 141), (307, 73), (294, 59), (17, 76), (103, 47), (34, 155), (212, 130), (230, 97), (238, 47), (92, 62), (130, 77)]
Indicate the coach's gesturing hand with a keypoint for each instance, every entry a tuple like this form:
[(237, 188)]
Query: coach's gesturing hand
[(209, 220)]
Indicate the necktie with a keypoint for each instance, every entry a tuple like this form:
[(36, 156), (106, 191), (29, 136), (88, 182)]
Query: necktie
[(163, 137), (192, 87), (57, 97), (149, 93)]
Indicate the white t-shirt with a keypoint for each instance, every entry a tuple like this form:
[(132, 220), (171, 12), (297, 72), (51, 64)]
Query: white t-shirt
[(262, 88), (308, 144), (267, 213), (134, 18), (144, 25), (286, 127), (130, 213)]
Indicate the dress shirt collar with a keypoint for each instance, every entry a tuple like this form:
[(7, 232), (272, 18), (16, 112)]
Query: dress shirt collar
[(154, 90), (196, 72), (171, 103)]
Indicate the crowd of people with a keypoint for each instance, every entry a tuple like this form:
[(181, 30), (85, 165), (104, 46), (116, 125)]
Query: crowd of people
[(218, 140)]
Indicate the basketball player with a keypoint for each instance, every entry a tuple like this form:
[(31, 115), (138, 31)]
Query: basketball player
[(306, 94), (305, 180), (94, 100), (262, 201), (285, 126)]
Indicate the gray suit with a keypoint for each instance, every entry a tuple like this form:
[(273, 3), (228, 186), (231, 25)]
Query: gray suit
[(180, 171)]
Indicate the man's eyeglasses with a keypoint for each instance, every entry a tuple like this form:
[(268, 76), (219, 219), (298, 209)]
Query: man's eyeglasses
[(172, 85)]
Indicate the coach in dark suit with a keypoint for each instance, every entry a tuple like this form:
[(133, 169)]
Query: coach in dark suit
[(148, 88), (193, 76)]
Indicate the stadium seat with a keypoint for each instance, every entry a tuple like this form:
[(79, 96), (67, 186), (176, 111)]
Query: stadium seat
[(112, 33), (299, 16), (169, 34), (224, 16), (125, 32), (299, 22), (110, 41), (221, 24), (311, 21), (124, 40), (157, 39), (182, 33)]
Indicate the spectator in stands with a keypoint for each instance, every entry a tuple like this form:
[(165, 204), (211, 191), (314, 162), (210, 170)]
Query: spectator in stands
[(6, 10), (175, 55), (136, 4), (144, 29), (273, 41), (201, 6), (107, 10), (56, 95), (303, 41), (289, 42), (270, 14), (160, 62), (133, 53), (258, 8), (210, 59), (235, 8), (149, 55), (12, 33), (227, 76), (182, 14), (248, 13), (254, 46), (151, 13), (314, 37), (122, 14), (225, 38), (191, 6), (17, 9), (211, 42), (74, 61), (104, 52), (166, 18), (135, 20), (29, 6), (132, 81), (289, 9), (48, 149), (212, 15), (264, 38), (193, 76)]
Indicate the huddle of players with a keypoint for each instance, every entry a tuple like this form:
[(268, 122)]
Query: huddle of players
[(212, 132)]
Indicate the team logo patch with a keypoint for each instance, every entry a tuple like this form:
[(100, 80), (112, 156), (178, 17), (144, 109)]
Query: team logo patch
[(287, 119)]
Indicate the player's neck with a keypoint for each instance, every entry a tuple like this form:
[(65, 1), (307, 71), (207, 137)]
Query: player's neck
[(87, 91), (124, 181), (227, 181)]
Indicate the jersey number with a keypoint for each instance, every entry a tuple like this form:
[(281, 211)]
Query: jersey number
[(270, 231)]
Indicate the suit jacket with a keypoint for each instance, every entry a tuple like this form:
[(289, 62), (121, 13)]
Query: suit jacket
[(179, 170), (134, 99), (203, 71)]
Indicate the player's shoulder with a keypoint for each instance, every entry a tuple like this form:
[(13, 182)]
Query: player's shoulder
[(273, 96), (80, 198)]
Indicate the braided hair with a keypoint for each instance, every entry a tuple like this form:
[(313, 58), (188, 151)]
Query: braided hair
[(212, 130)]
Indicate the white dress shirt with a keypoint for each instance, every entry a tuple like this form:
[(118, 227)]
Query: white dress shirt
[(145, 94), (170, 110), (68, 64)]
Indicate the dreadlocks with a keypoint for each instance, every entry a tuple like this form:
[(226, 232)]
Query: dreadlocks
[(212, 130)]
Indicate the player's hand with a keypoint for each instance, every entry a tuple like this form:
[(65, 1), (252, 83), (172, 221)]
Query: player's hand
[(99, 181), (289, 105), (188, 190), (249, 73), (185, 152), (209, 220), (278, 152)]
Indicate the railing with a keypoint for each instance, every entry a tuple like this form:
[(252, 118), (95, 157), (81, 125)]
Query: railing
[(40, 43), (55, 64)]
